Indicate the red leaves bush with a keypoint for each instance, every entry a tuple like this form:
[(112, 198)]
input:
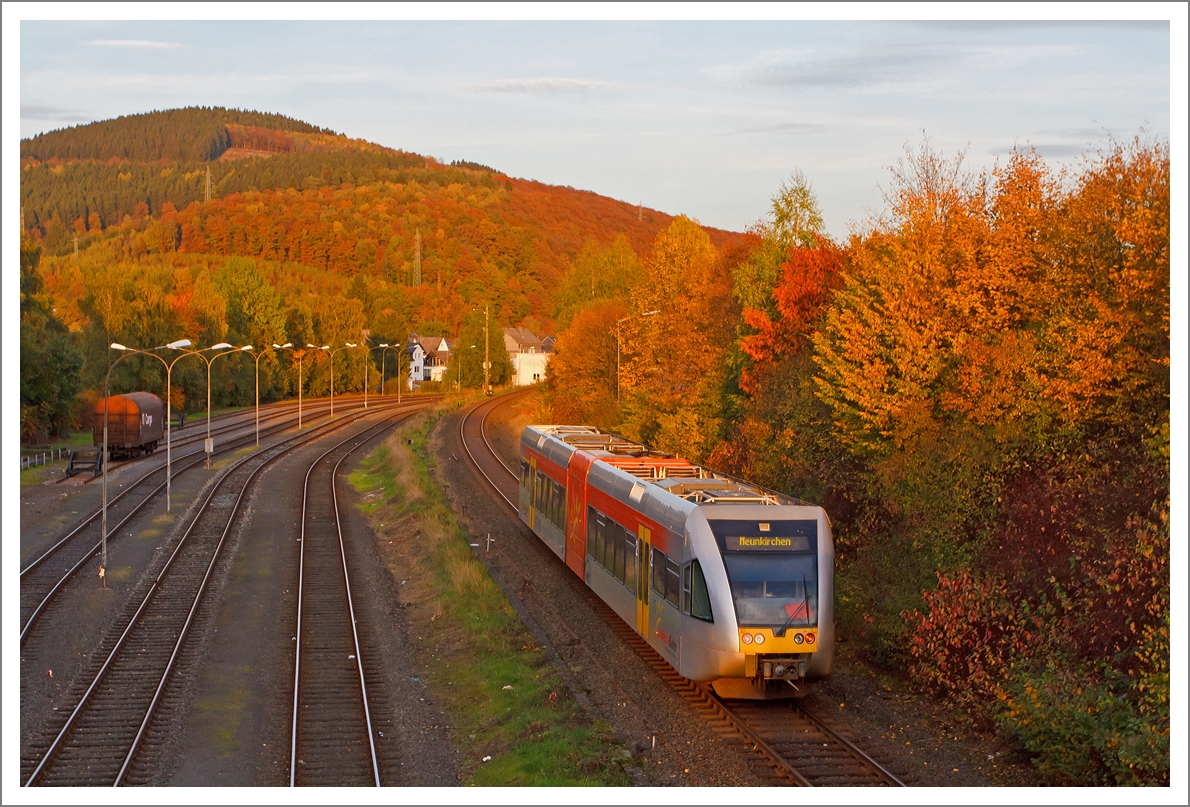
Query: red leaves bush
[(968, 635)]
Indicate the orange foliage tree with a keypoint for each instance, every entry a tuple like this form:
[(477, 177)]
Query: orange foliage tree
[(673, 344)]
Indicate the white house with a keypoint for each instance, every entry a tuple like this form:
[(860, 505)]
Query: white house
[(437, 357), (428, 358), (528, 358), (416, 356)]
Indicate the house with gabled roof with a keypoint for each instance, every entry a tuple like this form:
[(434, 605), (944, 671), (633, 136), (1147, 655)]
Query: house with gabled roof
[(528, 358), (428, 357)]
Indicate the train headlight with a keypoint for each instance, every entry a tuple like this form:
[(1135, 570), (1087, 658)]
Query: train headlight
[(798, 638), (747, 638), (809, 638), (760, 638)]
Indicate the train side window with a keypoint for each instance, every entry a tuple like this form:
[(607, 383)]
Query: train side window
[(601, 539), (617, 541), (559, 505), (686, 588), (524, 475), (629, 578), (700, 599), (591, 534), (671, 581), (659, 571)]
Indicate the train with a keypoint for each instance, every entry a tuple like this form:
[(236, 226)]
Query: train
[(732, 583), (135, 424)]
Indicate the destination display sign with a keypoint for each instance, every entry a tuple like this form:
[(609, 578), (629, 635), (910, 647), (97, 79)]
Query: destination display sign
[(738, 535), (797, 543)]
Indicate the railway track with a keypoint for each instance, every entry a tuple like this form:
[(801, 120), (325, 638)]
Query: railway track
[(783, 742), (333, 736), (44, 577), (112, 728), (230, 422)]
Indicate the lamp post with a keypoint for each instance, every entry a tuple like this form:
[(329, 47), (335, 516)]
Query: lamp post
[(367, 354), (625, 319), (385, 348), (169, 369), (333, 352), (300, 355), (257, 356), (327, 348), (178, 345), (227, 349)]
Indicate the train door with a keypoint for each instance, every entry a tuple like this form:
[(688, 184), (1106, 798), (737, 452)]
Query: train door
[(644, 553), (576, 513)]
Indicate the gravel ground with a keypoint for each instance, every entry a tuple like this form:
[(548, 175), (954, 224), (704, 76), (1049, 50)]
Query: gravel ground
[(237, 731), (230, 706), (924, 741), (66, 634)]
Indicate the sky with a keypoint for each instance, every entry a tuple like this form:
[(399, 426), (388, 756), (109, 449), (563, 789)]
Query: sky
[(705, 118)]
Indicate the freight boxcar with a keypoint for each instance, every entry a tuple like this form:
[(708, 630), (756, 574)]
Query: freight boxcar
[(135, 424)]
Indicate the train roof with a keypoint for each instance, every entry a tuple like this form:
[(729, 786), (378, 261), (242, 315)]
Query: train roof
[(635, 463)]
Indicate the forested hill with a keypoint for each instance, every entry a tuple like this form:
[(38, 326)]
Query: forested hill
[(194, 133), (399, 240), (78, 182)]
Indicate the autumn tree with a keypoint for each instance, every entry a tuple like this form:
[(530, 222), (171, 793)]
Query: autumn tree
[(596, 275), (50, 362), (795, 220), (466, 358), (580, 384), (673, 342)]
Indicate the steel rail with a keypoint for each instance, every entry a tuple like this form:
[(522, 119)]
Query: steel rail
[(293, 760), (492, 404), (227, 422), (194, 608), (199, 457), (295, 441), (60, 545), (120, 496), (888, 776)]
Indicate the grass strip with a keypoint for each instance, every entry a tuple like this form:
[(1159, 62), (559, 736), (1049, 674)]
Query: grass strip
[(515, 721)]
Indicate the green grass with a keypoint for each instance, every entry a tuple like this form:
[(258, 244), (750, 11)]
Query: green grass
[(504, 699)]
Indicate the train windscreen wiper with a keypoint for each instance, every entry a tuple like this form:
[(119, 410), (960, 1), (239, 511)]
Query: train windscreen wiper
[(793, 612)]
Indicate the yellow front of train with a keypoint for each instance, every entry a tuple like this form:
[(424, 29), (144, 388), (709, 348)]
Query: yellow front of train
[(769, 574)]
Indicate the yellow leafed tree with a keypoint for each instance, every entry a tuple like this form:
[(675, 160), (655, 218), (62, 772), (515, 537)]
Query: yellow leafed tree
[(673, 340)]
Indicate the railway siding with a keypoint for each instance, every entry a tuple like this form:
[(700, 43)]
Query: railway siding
[(109, 711), (507, 702)]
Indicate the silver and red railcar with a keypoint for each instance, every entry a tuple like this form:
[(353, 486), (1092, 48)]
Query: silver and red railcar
[(731, 583)]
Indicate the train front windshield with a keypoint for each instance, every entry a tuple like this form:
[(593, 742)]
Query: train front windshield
[(773, 571)]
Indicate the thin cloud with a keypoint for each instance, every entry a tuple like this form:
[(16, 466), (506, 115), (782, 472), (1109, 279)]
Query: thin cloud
[(883, 65), (1052, 150), (136, 44), (41, 112), (783, 128), (539, 86)]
